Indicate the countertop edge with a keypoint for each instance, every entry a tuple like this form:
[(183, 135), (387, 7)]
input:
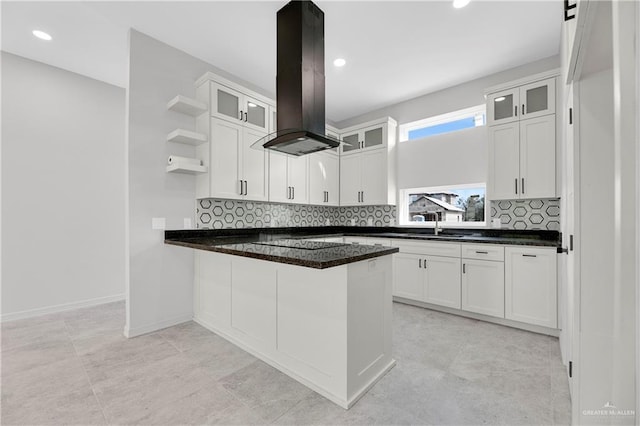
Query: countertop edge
[(286, 260)]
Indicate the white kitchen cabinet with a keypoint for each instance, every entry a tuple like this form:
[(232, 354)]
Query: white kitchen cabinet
[(324, 178), (212, 289), (522, 159), (531, 285), (364, 179), (521, 103), (288, 178), (233, 105), (408, 276), (364, 138), (428, 278), (236, 170), (483, 287)]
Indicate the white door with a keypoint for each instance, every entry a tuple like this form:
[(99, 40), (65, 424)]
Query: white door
[(255, 166), (408, 276), (224, 171), (298, 178), (352, 142), (226, 103), (350, 180), (374, 177), (483, 287), (279, 190), (332, 183), (530, 285), (538, 99), (374, 136), (504, 159), (255, 114), (537, 157), (503, 107), (443, 281)]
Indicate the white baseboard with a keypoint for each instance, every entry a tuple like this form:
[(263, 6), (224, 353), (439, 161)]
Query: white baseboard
[(62, 308), (150, 328)]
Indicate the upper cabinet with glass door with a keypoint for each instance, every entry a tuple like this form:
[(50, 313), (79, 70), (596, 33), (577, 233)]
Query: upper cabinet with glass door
[(520, 103), (369, 137), (236, 106)]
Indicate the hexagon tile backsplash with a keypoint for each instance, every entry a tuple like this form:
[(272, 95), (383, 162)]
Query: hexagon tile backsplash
[(213, 213), (527, 214)]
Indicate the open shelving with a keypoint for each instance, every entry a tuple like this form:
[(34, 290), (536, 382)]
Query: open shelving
[(186, 105), (187, 137), (192, 169)]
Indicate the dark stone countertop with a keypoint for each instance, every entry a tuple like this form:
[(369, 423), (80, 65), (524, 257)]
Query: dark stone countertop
[(313, 255), (241, 242)]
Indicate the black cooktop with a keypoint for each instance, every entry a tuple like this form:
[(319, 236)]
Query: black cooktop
[(300, 244)]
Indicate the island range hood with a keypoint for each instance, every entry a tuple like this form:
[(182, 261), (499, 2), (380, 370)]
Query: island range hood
[(300, 82)]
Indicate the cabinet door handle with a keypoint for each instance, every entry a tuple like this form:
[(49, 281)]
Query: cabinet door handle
[(516, 185), (420, 263), (240, 115), (482, 252), (240, 190), (363, 196), (524, 111), (516, 111), (425, 263), (245, 116), (530, 255), (464, 268), (293, 192), (522, 187), (246, 187)]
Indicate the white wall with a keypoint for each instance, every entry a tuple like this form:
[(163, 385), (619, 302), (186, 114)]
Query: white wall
[(63, 189), (160, 278)]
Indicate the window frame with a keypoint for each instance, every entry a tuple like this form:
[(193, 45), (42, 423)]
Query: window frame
[(404, 129), (403, 207)]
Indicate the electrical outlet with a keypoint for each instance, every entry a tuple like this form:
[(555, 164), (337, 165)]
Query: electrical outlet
[(353, 222), (370, 221)]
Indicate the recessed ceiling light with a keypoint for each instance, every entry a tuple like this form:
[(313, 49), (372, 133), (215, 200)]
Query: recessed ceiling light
[(459, 4), (339, 62), (500, 99), (41, 35)]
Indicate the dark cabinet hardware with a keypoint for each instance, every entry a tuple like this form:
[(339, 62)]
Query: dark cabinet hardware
[(464, 268), (524, 111), (570, 115), (529, 255), (567, 10), (522, 188), (245, 116), (516, 185), (516, 110), (420, 263), (482, 252), (240, 115)]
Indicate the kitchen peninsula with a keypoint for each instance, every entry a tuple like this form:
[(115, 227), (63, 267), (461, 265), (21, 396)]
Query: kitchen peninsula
[(318, 311)]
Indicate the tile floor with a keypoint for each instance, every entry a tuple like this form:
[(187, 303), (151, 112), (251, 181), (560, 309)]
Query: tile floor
[(77, 368)]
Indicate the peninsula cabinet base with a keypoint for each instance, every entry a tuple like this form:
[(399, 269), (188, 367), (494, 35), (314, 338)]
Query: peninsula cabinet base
[(329, 329), (486, 318)]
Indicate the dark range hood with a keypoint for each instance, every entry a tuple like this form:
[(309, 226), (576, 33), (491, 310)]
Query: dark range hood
[(300, 82)]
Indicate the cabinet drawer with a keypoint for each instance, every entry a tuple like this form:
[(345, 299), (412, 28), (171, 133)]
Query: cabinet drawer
[(428, 248), (368, 241), (483, 252)]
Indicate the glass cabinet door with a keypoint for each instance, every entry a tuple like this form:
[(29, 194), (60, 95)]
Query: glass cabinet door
[(374, 137), (351, 142), (503, 107), (255, 113), (538, 99), (225, 102)]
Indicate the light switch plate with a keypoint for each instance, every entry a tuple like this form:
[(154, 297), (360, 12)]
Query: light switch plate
[(496, 223), (158, 223)]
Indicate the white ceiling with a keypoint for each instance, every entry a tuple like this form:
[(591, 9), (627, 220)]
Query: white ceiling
[(394, 50)]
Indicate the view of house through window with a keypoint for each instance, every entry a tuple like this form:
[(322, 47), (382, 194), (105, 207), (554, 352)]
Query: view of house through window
[(462, 204)]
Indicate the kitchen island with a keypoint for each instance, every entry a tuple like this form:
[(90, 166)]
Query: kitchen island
[(319, 312)]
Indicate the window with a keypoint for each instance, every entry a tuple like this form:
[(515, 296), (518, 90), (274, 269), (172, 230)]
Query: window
[(452, 206), (445, 123)]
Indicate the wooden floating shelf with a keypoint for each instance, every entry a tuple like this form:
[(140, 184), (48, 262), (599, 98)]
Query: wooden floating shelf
[(191, 169), (187, 106), (187, 137)]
